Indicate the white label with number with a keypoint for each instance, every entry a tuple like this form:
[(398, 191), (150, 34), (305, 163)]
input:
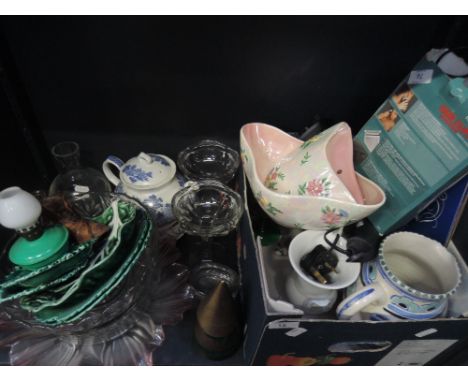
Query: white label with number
[(420, 77)]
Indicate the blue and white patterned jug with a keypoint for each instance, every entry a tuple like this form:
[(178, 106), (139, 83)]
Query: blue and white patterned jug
[(411, 279), (150, 178)]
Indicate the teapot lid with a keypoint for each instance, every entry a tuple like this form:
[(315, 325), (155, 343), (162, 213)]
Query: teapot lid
[(148, 171)]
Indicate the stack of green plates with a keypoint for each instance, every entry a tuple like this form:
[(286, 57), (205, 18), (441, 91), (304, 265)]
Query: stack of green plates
[(65, 290)]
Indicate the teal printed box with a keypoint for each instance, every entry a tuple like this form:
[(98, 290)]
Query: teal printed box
[(416, 144)]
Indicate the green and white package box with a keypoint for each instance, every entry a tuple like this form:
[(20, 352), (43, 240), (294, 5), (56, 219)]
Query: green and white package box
[(415, 145)]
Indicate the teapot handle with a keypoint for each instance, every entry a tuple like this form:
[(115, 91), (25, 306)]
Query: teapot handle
[(106, 168)]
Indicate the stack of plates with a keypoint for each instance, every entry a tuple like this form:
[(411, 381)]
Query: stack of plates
[(65, 290)]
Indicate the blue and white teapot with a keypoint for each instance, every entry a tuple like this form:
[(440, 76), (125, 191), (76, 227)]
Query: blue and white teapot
[(150, 178)]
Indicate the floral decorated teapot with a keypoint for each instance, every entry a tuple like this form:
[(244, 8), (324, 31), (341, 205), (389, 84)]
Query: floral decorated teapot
[(150, 178)]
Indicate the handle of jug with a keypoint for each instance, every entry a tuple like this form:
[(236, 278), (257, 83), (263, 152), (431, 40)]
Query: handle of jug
[(355, 302)]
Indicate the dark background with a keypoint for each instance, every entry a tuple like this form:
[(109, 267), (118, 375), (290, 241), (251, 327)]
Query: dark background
[(121, 85)]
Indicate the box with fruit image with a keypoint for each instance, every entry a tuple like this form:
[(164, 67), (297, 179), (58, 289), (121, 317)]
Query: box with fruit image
[(278, 333)]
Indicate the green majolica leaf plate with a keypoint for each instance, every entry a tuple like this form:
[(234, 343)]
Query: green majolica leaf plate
[(115, 280), (126, 213), (102, 262), (93, 288), (14, 293), (20, 277), (24, 278), (121, 224)]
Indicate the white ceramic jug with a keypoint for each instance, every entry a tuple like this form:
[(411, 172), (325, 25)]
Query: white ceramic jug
[(411, 279)]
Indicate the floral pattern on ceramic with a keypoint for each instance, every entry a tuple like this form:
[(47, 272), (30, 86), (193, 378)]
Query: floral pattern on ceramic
[(273, 178), (311, 140), (150, 178), (315, 187), (244, 157), (161, 159), (393, 300), (136, 174), (181, 180), (305, 159), (161, 210), (268, 207), (265, 147), (315, 159), (333, 218)]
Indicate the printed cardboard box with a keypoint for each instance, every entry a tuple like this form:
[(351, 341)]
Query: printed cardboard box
[(416, 144), (278, 334)]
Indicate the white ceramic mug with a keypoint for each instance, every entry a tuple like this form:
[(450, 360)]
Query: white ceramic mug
[(411, 278)]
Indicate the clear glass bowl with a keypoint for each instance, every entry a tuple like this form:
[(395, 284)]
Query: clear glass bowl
[(208, 159), (124, 328), (208, 274), (207, 208)]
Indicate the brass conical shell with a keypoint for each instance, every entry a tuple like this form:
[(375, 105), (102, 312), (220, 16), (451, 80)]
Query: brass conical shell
[(217, 313)]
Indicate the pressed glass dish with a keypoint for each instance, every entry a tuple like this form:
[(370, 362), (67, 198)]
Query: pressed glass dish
[(209, 159), (122, 329), (207, 208), (208, 274)]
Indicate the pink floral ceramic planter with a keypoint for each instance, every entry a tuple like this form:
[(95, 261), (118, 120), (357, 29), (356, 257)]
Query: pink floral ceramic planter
[(318, 197), (321, 166)]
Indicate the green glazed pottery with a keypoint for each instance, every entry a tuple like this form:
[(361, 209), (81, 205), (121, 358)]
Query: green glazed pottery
[(66, 263), (61, 287), (126, 212), (101, 265), (113, 282), (16, 293), (36, 253), (91, 289)]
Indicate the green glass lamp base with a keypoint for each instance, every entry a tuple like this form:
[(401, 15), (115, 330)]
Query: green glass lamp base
[(36, 253)]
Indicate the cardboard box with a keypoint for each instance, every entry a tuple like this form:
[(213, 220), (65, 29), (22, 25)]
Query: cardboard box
[(278, 334), (415, 145)]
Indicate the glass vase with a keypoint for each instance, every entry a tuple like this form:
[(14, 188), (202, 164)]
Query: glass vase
[(73, 177)]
